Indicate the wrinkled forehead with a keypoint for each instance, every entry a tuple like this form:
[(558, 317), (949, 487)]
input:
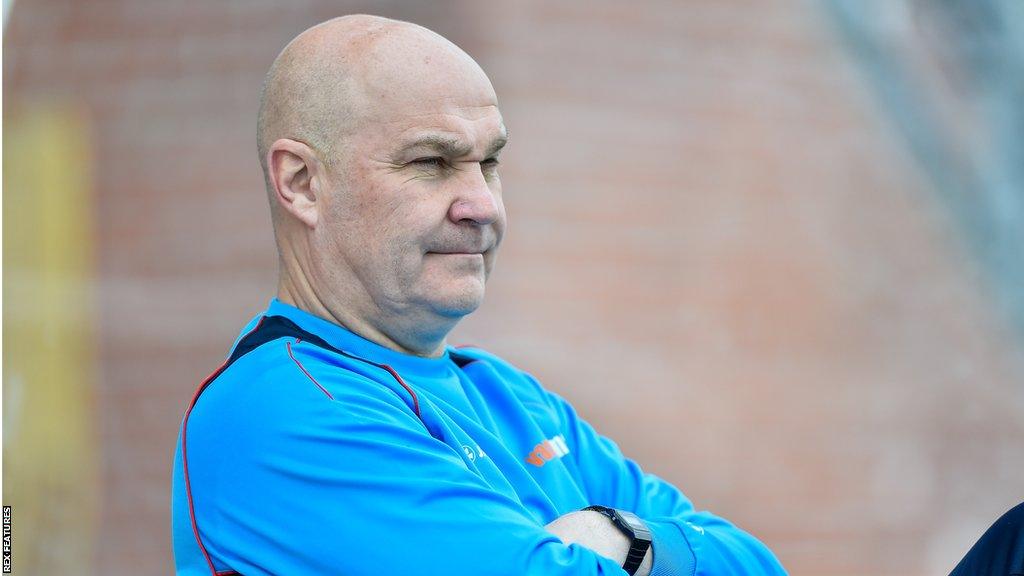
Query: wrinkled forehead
[(421, 81)]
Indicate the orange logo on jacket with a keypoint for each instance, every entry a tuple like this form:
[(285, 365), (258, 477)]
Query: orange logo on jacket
[(548, 450)]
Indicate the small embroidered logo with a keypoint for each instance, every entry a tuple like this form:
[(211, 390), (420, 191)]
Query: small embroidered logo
[(472, 454), (547, 450)]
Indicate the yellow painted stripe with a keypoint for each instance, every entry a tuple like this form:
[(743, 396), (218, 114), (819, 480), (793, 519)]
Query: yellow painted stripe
[(49, 450)]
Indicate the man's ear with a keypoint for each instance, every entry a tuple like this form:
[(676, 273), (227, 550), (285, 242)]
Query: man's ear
[(295, 173)]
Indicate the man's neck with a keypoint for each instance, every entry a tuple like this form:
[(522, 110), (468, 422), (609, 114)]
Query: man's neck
[(304, 298)]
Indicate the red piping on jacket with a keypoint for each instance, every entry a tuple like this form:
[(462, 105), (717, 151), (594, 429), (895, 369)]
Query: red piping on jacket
[(184, 456), (214, 375), (304, 371)]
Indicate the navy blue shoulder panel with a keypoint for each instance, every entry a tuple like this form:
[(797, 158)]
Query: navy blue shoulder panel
[(271, 328)]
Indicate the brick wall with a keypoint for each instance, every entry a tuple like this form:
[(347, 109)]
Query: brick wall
[(717, 250)]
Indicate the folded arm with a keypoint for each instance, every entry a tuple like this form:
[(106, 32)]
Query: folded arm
[(685, 541), (596, 532), (274, 499)]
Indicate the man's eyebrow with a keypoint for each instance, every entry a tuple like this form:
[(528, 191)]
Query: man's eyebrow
[(451, 146), (497, 144), (444, 144)]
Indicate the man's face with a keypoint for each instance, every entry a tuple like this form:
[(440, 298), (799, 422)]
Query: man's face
[(414, 212)]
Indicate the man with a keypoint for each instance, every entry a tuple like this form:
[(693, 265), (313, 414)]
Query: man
[(342, 435)]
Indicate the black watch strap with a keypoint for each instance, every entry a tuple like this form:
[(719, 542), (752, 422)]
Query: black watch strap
[(631, 525)]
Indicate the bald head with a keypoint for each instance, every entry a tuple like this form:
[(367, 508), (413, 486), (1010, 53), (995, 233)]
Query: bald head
[(379, 141), (342, 73)]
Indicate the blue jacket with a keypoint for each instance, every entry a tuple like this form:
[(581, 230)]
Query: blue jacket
[(315, 451)]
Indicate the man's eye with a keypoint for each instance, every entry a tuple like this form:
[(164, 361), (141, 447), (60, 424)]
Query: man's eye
[(434, 162), (490, 167)]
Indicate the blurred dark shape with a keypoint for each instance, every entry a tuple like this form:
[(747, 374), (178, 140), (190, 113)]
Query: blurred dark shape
[(950, 76)]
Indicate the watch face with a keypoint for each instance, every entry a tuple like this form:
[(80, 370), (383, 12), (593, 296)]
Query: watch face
[(639, 528), (632, 519)]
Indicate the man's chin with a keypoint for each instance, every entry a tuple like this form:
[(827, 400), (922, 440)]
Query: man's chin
[(459, 308), (456, 304)]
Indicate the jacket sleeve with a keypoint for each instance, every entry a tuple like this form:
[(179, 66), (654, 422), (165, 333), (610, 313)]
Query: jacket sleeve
[(353, 485), (685, 541)]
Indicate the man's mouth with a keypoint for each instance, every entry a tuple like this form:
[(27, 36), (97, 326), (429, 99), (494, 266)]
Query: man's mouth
[(463, 250)]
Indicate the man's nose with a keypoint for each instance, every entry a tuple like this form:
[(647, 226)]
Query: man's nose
[(475, 201)]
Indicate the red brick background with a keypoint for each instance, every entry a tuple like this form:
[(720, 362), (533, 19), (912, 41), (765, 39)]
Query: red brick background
[(718, 250)]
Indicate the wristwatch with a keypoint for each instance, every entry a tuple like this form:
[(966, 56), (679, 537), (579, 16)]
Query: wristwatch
[(631, 525)]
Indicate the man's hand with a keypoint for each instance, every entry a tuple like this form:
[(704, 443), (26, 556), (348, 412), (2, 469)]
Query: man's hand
[(595, 531)]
